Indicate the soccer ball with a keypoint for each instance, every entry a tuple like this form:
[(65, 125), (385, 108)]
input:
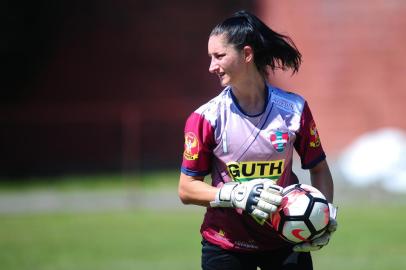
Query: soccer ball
[(303, 214)]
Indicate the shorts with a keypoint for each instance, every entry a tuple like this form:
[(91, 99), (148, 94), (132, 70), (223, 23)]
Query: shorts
[(216, 258)]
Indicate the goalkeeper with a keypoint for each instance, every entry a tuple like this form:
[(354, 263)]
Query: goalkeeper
[(244, 138)]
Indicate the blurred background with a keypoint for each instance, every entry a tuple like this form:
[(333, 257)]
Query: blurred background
[(93, 100), (90, 86)]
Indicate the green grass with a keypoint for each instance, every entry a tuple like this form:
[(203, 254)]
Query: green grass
[(120, 240), (371, 234), (368, 238), (101, 182)]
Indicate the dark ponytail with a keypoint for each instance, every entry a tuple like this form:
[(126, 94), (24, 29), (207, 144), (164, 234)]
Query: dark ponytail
[(271, 49)]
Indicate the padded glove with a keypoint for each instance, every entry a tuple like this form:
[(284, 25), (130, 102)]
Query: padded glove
[(323, 240), (259, 197)]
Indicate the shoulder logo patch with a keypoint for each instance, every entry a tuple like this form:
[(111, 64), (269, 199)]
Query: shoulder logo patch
[(314, 136), (191, 146)]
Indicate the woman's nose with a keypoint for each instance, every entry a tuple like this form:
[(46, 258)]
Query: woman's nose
[(213, 66)]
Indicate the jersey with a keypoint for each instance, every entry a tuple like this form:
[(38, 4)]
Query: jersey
[(222, 140)]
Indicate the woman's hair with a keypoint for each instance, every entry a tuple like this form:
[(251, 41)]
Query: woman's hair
[(271, 49)]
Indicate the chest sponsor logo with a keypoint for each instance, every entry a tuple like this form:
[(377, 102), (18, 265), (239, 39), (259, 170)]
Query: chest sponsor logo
[(248, 170), (279, 140), (191, 146), (283, 103), (314, 136)]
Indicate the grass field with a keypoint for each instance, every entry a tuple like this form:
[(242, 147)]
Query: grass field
[(120, 240), (370, 236)]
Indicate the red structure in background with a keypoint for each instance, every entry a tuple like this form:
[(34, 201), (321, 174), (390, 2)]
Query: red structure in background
[(104, 86), (353, 73)]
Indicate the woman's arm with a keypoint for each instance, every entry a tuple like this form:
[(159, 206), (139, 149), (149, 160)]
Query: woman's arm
[(193, 190), (321, 179)]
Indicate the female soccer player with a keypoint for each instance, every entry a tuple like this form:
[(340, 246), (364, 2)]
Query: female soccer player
[(245, 138)]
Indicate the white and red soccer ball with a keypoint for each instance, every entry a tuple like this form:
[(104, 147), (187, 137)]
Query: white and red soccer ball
[(303, 214)]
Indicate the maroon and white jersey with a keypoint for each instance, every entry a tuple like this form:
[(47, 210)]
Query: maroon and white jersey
[(221, 140)]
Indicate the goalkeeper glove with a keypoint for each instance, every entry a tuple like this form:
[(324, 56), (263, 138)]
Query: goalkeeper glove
[(259, 197), (323, 240)]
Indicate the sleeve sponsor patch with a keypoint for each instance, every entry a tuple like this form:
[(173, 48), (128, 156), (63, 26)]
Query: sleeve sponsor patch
[(314, 136), (191, 146)]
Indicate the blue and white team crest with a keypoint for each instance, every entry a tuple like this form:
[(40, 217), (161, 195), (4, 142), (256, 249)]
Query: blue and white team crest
[(279, 140)]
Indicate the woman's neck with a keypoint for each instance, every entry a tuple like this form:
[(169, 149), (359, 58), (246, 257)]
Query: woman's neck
[(251, 96)]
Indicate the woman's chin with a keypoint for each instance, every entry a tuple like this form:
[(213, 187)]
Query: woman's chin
[(224, 83)]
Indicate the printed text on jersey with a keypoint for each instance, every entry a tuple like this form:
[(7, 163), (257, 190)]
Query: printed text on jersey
[(248, 170)]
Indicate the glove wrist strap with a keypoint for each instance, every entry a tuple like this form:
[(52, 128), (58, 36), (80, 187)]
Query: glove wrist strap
[(333, 210), (223, 196)]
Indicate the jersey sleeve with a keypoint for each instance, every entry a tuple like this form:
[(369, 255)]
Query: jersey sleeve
[(198, 147), (307, 143)]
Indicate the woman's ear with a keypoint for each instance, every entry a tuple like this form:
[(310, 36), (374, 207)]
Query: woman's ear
[(248, 54)]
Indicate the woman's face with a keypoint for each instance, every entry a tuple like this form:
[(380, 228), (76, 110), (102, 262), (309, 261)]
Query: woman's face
[(226, 62)]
